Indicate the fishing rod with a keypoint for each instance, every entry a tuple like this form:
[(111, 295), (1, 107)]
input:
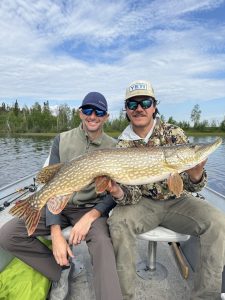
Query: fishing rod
[(17, 191), (7, 203), (31, 188)]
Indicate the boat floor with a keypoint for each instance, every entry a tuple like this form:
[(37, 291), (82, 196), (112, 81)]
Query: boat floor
[(166, 282), (164, 285)]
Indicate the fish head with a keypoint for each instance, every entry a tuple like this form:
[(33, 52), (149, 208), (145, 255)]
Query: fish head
[(202, 151), (185, 156)]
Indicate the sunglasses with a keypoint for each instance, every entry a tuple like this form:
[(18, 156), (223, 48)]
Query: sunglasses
[(89, 111), (133, 104)]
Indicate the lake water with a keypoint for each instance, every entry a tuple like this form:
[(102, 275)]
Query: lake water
[(22, 156)]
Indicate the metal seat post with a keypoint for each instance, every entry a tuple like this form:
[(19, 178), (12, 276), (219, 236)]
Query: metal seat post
[(150, 269), (151, 260)]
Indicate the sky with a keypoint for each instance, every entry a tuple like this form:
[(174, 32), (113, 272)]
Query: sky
[(60, 50)]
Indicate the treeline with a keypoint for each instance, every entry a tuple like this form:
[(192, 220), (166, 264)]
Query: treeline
[(40, 119), (203, 126)]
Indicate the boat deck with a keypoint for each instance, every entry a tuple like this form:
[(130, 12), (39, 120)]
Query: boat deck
[(162, 286), (165, 283)]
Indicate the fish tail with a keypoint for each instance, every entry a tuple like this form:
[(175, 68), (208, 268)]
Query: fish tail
[(24, 210)]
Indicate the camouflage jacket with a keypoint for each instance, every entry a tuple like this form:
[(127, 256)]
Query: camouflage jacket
[(163, 134)]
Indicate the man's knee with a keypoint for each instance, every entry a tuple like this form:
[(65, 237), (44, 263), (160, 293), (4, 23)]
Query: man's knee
[(8, 234), (218, 225), (5, 237), (116, 220), (121, 214), (216, 218), (120, 227)]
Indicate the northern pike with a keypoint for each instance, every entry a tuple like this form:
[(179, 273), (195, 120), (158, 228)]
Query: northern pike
[(129, 166)]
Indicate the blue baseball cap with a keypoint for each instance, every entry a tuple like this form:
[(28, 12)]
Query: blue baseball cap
[(95, 99)]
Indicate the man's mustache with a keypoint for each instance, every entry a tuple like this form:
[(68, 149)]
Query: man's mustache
[(136, 114)]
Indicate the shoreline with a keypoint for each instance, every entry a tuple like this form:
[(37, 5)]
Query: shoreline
[(114, 134)]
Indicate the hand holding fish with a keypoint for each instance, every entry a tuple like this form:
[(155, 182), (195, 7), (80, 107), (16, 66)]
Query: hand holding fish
[(105, 183), (115, 189), (196, 172)]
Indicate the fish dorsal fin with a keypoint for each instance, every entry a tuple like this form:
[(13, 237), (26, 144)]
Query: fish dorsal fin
[(47, 173), (175, 184)]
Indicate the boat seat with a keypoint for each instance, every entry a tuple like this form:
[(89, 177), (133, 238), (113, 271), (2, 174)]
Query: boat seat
[(150, 268), (79, 267)]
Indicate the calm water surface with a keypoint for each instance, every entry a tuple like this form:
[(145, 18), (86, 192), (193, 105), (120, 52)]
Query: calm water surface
[(21, 156), (215, 165)]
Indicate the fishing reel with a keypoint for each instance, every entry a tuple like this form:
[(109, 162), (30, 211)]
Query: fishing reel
[(31, 188)]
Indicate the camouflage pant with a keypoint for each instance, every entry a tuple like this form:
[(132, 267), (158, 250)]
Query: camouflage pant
[(187, 215)]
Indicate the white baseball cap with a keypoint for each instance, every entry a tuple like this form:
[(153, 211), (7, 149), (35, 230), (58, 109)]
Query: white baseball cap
[(139, 88)]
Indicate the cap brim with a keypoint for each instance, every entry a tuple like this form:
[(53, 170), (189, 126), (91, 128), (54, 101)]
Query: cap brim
[(96, 106), (140, 94)]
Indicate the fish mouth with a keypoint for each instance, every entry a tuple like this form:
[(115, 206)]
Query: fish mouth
[(204, 150)]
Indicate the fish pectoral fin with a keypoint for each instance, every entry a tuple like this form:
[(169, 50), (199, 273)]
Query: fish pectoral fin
[(102, 183), (47, 173), (57, 203), (175, 184), (24, 210)]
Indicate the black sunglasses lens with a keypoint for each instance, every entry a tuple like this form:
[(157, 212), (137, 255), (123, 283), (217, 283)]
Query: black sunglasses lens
[(87, 111), (132, 105), (100, 113), (146, 103)]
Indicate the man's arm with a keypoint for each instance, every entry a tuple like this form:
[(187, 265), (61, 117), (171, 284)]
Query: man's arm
[(54, 154), (60, 247), (105, 204), (81, 228), (197, 182)]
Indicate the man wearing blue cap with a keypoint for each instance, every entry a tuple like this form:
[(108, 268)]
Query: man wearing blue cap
[(86, 212)]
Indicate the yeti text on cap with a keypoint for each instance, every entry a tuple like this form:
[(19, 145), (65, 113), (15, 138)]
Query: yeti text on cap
[(138, 86)]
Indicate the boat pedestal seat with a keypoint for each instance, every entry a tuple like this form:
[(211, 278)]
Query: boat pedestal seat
[(79, 267), (152, 269)]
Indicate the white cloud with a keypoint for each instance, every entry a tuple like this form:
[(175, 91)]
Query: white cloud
[(122, 41)]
